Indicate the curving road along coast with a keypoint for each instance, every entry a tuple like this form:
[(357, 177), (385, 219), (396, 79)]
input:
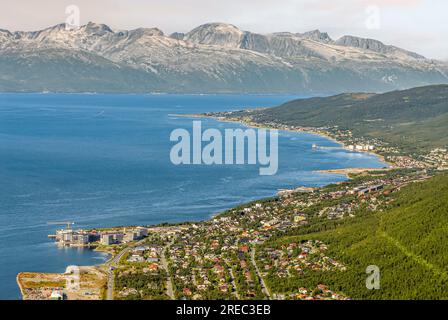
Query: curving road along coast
[(111, 265)]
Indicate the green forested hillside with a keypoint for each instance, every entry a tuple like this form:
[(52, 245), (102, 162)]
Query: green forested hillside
[(416, 119), (407, 241)]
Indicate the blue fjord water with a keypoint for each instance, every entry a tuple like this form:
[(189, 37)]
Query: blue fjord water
[(103, 160)]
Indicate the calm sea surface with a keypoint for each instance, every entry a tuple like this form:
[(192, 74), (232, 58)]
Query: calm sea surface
[(103, 160)]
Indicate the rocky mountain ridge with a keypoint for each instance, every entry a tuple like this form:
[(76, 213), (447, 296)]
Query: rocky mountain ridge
[(213, 57)]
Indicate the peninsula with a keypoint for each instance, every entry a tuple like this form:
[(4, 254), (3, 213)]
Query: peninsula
[(305, 243)]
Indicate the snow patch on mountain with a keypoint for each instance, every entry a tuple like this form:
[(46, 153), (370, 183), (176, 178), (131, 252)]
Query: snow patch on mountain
[(216, 57)]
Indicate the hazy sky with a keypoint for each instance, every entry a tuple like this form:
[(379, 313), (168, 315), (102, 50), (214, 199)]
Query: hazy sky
[(418, 25)]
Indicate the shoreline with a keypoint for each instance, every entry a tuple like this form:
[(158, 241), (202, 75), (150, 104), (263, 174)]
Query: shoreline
[(321, 134), (344, 171), (21, 289), (349, 171)]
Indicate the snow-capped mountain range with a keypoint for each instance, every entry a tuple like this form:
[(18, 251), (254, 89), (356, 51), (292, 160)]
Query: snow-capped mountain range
[(214, 57)]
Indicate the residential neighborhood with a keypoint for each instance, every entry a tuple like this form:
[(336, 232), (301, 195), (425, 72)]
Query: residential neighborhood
[(229, 256)]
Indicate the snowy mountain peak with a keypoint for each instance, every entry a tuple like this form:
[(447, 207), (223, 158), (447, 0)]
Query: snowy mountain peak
[(316, 35), (214, 57), (376, 46), (96, 28), (220, 34), (218, 27), (55, 28), (363, 43), (5, 34), (150, 32)]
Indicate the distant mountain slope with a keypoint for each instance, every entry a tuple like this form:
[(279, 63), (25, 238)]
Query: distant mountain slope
[(69, 71), (214, 57), (414, 104), (416, 118)]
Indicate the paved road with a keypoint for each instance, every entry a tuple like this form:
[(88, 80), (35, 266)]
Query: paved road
[(113, 263), (234, 284), (110, 285), (169, 283), (257, 271)]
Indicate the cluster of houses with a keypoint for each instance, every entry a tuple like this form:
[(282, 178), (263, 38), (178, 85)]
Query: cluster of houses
[(204, 255), (438, 158), (198, 266), (146, 254), (218, 256), (339, 211), (321, 292), (346, 136), (293, 258), (406, 162)]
